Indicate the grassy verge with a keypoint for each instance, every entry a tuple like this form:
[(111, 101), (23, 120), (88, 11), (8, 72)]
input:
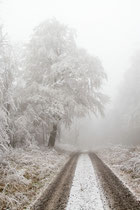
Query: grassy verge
[(25, 173)]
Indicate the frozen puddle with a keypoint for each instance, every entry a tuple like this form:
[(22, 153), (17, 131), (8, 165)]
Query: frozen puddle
[(84, 194)]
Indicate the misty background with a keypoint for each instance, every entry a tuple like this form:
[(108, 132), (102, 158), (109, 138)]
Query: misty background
[(109, 30)]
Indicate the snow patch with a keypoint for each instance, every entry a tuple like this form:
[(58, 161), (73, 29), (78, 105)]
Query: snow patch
[(84, 192)]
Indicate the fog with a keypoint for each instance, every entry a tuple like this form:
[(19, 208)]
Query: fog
[(109, 30)]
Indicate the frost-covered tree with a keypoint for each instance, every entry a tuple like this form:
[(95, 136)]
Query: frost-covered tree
[(7, 66), (128, 103), (62, 81)]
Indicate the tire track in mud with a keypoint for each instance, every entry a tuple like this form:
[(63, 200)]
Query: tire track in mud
[(115, 192), (56, 195)]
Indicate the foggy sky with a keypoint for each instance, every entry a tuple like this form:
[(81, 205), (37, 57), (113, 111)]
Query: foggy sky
[(109, 29)]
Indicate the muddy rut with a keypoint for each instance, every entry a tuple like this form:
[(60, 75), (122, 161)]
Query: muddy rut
[(56, 195), (117, 195)]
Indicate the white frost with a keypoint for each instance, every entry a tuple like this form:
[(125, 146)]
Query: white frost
[(84, 192)]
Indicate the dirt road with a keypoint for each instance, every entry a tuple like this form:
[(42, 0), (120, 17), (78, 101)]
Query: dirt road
[(113, 194)]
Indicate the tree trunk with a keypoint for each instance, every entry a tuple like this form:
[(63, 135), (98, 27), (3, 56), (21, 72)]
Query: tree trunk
[(44, 134), (9, 126), (53, 136)]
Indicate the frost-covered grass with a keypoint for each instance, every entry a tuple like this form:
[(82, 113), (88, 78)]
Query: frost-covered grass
[(125, 162), (25, 173)]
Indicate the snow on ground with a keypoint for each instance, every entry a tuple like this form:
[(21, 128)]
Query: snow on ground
[(125, 163), (24, 174), (84, 192)]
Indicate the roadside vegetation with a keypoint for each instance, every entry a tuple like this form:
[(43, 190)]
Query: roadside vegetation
[(24, 174), (125, 162)]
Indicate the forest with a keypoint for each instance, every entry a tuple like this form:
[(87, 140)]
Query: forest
[(59, 121)]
